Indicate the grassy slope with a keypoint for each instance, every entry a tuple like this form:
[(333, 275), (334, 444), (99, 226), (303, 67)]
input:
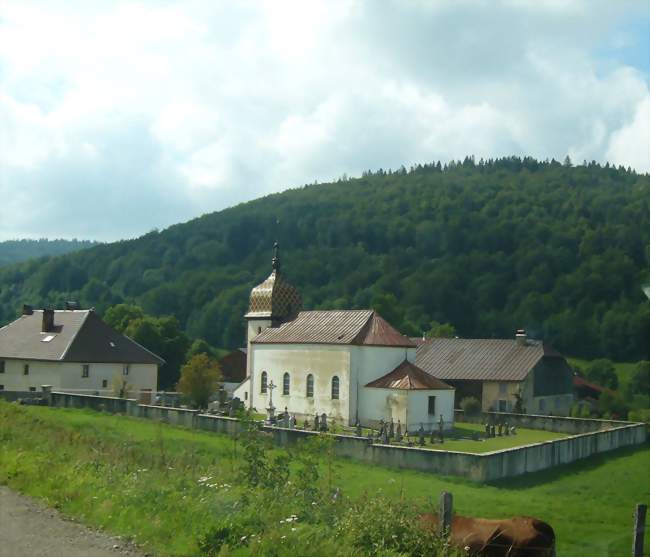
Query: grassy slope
[(92, 466), (624, 370)]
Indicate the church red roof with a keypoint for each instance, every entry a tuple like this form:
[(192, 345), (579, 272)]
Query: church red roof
[(408, 376)]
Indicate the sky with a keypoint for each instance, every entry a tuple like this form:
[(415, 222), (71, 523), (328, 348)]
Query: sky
[(120, 117)]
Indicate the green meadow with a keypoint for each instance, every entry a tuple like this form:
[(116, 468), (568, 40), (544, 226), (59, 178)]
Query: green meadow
[(171, 489)]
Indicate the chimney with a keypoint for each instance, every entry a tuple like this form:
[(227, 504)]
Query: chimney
[(27, 310), (520, 337), (48, 321), (71, 304)]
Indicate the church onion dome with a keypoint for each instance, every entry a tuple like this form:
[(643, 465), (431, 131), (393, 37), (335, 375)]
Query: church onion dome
[(275, 298)]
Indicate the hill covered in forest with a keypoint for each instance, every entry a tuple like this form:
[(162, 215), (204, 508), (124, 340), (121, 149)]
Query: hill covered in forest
[(489, 247), (14, 251)]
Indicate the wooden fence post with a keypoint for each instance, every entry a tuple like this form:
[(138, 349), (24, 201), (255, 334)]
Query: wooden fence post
[(446, 510), (639, 529)]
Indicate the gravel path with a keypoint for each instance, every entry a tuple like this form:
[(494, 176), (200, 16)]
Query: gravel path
[(30, 529)]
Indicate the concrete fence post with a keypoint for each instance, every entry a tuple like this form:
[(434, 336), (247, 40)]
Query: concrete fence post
[(639, 529), (446, 511)]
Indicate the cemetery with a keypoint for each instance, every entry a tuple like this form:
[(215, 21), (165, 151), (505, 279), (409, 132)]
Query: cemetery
[(473, 450), (146, 466)]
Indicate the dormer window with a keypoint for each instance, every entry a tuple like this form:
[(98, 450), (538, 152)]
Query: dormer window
[(47, 338), (85, 370)]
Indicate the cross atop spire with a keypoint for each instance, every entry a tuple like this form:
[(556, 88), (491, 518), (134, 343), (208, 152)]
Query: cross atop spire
[(275, 262)]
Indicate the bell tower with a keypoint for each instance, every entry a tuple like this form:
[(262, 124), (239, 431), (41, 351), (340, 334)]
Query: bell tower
[(271, 302)]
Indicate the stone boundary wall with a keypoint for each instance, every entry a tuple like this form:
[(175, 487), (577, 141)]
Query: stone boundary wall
[(558, 424), (11, 396), (479, 467)]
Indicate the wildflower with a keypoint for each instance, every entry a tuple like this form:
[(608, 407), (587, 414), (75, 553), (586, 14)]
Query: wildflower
[(282, 537), (282, 522), (242, 538), (293, 529)]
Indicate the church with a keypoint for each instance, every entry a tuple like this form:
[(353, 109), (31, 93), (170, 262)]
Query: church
[(349, 364)]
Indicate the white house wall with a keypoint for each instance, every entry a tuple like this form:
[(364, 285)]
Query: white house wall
[(299, 360), (68, 376)]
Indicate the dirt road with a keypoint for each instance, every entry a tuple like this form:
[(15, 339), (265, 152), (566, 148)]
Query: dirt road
[(30, 529)]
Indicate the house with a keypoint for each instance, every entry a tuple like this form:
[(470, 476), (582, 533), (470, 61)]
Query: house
[(349, 364), (233, 369), (72, 350), (499, 372), (588, 393)]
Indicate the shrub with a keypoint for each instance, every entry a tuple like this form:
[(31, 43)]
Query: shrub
[(471, 406), (234, 531), (640, 415), (379, 526)]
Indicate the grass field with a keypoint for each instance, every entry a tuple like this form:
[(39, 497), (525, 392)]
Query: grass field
[(146, 480)]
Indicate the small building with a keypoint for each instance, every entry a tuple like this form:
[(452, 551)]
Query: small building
[(351, 365), (499, 372), (72, 350), (233, 369)]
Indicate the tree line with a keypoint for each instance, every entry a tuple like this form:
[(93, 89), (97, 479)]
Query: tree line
[(14, 251), (487, 247)]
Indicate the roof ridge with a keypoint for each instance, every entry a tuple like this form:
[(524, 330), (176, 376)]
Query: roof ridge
[(363, 331), (74, 336)]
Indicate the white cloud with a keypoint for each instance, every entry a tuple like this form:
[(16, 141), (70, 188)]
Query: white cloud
[(630, 145), (168, 110)]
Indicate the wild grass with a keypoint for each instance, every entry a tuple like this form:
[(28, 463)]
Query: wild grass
[(168, 488)]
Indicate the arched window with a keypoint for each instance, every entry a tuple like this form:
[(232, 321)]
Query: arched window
[(335, 387), (263, 382), (286, 383), (310, 386)]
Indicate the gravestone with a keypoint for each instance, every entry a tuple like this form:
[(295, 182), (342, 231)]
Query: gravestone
[(500, 429), (398, 433), (316, 423), (506, 429), (384, 436), (441, 429), (421, 435), (359, 431), (391, 429), (323, 422)]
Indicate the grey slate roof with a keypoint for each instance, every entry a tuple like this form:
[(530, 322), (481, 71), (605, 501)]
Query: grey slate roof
[(481, 359), (355, 326), (79, 336)]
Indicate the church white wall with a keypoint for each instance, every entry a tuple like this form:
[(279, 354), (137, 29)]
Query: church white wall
[(411, 408), (418, 409), (253, 328), (382, 404), (370, 363), (68, 376), (299, 360)]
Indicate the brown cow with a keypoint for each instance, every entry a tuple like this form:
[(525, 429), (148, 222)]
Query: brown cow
[(520, 536)]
